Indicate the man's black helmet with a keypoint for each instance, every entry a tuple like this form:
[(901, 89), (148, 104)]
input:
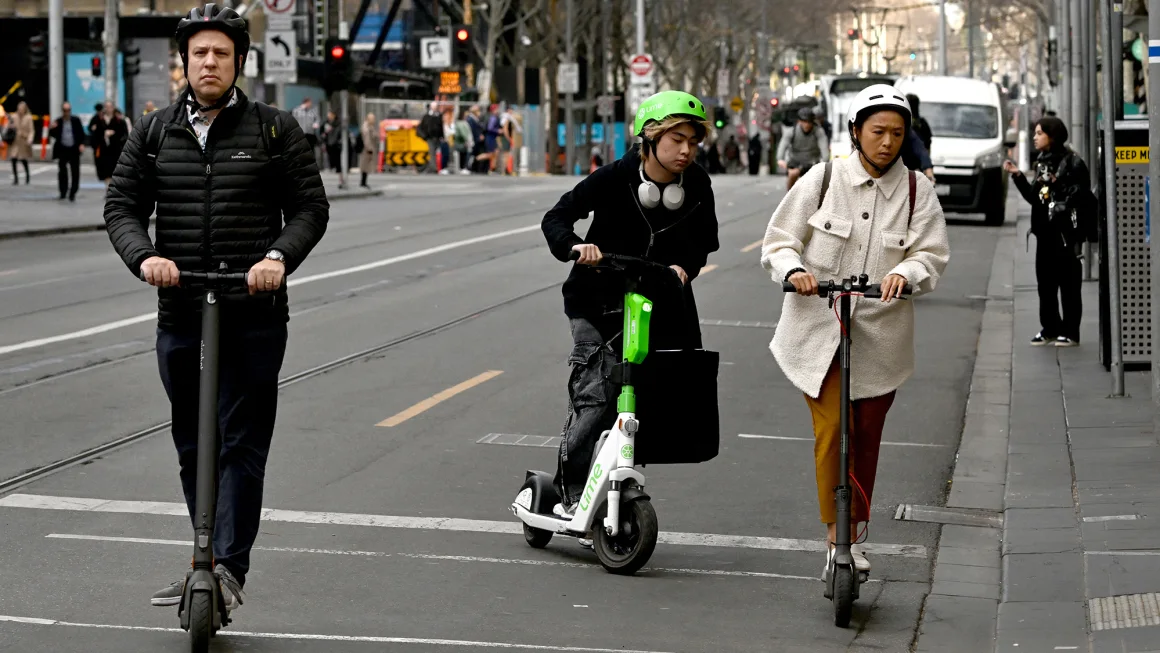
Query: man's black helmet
[(211, 16), (805, 113)]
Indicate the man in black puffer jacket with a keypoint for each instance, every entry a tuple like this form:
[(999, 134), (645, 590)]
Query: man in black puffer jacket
[(232, 182), (654, 203)]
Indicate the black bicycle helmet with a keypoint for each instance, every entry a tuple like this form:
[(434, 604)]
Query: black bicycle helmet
[(221, 19)]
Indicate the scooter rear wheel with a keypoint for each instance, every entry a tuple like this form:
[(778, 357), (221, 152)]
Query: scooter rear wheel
[(537, 538), (200, 621), (631, 548), (843, 595)]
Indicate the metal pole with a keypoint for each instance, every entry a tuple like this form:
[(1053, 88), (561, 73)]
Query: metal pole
[(1063, 45), (942, 37), (1117, 41), (344, 98), (970, 40), (639, 25), (606, 58), (55, 55), (111, 40), (1090, 107), (1078, 126), (1153, 173), (1110, 193), (1040, 49), (569, 119)]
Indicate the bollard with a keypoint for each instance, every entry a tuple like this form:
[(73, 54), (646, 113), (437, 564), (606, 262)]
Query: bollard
[(44, 139)]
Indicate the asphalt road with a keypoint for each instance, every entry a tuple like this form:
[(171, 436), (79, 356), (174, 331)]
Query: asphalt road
[(399, 537)]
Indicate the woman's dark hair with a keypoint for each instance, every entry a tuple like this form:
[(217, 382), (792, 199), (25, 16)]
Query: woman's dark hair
[(1055, 130)]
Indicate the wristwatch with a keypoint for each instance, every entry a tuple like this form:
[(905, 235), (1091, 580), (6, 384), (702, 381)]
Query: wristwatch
[(275, 255)]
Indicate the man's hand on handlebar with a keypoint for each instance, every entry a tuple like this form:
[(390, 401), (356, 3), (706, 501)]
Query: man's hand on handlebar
[(589, 254), (160, 272), (892, 286), (805, 283), (266, 276)]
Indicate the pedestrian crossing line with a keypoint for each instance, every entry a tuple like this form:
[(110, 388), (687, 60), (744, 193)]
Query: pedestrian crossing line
[(520, 440), (449, 558), (885, 443), (242, 634), (438, 398), (85, 504), (752, 246)]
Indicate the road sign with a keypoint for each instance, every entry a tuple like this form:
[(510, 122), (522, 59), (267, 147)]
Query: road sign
[(723, 82), (568, 78), (281, 58), (405, 158), (606, 106), (641, 65), (435, 52), (637, 94), (483, 84), (737, 105), (279, 22), (449, 83), (279, 6)]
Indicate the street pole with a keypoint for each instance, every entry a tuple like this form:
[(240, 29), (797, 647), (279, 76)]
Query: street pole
[(970, 40), (1117, 41), (1153, 173), (1077, 126), (1111, 57), (344, 99), (1063, 45), (1090, 106), (639, 26), (942, 37), (55, 56), (606, 60), (1040, 48), (569, 119), (111, 40)]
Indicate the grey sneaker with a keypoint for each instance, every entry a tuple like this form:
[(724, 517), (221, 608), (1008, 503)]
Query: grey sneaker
[(566, 512), (585, 543), (1064, 341), (171, 595), (232, 592)]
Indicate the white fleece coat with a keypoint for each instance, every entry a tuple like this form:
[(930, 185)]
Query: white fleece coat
[(860, 228)]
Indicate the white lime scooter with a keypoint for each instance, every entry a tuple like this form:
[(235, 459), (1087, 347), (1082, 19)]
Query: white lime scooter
[(614, 510)]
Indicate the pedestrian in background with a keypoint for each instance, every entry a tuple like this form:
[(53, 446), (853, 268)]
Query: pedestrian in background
[(430, 129), (308, 118), (332, 136), (463, 141), (368, 159), (68, 136), (25, 131), (1062, 217)]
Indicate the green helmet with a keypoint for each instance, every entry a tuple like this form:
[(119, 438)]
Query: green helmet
[(666, 104)]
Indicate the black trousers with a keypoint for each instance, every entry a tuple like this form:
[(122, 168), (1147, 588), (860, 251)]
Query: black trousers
[(1059, 275), (247, 405), (68, 163)]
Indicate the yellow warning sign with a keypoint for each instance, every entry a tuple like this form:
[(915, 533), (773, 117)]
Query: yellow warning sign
[(1132, 155), (404, 140)]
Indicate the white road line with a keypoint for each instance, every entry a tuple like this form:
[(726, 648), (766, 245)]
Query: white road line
[(146, 317), (227, 633), (751, 436), (83, 504), (1146, 552), (1112, 518), (449, 558)]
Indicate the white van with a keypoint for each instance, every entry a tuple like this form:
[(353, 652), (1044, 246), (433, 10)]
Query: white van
[(968, 145)]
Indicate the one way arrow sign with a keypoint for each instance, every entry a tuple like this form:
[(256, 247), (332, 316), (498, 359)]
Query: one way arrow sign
[(281, 62)]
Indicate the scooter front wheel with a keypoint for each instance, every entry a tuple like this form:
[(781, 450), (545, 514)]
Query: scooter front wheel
[(537, 538), (629, 550), (200, 621), (843, 595)]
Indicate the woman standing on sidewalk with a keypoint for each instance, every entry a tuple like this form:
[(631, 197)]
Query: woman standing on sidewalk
[(368, 159), (1061, 215), (875, 217), (25, 130)]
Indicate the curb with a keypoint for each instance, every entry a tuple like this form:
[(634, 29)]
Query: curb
[(961, 612), (83, 228)]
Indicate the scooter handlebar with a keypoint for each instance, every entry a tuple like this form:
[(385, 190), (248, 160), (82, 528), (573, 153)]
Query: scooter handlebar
[(213, 279), (623, 262), (827, 288)]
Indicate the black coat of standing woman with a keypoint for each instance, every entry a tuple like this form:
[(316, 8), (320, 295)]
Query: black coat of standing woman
[(1058, 195)]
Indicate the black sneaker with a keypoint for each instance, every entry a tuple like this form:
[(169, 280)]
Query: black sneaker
[(232, 592), (171, 595), (1064, 341), (1039, 340)]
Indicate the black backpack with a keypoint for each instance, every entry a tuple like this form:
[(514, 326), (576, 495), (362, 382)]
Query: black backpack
[(912, 178)]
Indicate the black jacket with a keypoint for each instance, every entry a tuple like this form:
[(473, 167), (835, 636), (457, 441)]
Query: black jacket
[(620, 225), (231, 203), (1062, 177), (78, 130)]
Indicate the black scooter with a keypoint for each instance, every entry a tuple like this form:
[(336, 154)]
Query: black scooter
[(843, 581), (202, 609)]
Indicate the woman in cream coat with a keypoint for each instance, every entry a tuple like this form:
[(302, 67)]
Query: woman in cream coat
[(863, 225)]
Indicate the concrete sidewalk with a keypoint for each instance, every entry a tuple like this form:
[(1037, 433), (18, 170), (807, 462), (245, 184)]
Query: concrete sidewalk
[(1072, 479), (35, 209)]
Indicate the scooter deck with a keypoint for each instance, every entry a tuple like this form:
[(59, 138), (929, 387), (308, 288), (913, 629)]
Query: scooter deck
[(548, 522)]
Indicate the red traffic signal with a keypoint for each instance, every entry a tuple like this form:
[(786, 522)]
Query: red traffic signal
[(773, 102), (852, 34), (462, 34), (337, 52), (796, 68), (96, 69)]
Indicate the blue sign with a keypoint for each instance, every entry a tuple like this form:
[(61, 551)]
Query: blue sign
[(368, 31), (84, 91), (1147, 209), (581, 133)]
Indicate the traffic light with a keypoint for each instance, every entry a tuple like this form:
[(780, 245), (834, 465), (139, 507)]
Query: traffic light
[(37, 52), (774, 102), (132, 60), (719, 117), (337, 68), (96, 66), (913, 56), (853, 34), (462, 44), (785, 72), (796, 69)]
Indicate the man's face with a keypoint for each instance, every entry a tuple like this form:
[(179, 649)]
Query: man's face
[(211, 64), (306, 103), (677, 147), (109, 107), (806, 125), (66, 109)]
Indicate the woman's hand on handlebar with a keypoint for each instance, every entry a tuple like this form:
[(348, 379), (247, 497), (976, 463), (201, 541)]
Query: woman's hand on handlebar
[(892, 286), (266, 276), (589, 254), (805, 283), (160, 272)]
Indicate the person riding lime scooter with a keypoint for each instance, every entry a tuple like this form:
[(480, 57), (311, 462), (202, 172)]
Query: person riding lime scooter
[(657, 204)]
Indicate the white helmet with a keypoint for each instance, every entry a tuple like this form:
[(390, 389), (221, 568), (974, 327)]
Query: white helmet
[(878, 96)]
